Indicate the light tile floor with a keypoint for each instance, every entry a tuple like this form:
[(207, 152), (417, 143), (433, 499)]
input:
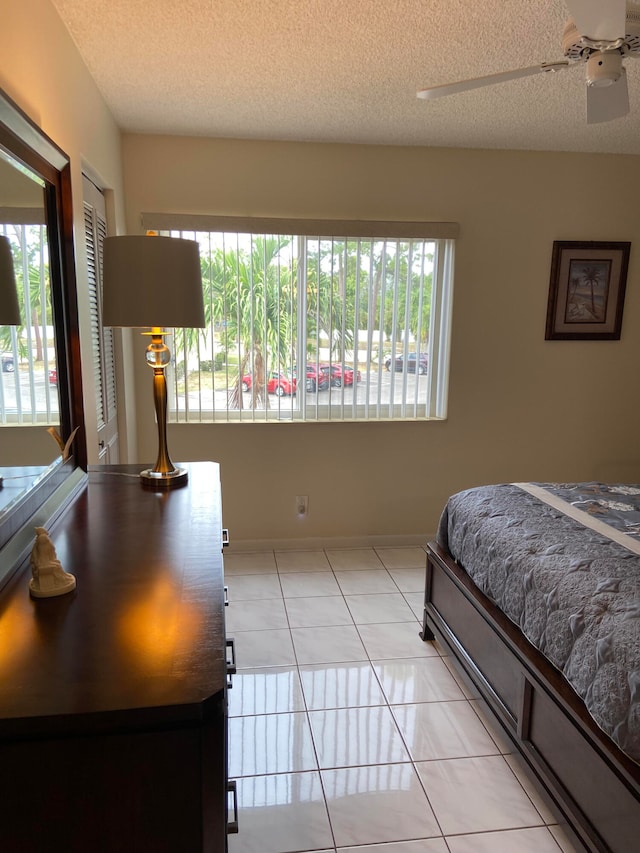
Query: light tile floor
[(347, 732)]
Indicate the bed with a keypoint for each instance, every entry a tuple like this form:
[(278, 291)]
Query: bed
[(535, 589)]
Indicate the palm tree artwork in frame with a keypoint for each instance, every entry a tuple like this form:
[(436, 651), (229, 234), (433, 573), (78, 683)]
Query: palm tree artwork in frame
[(586, 291)]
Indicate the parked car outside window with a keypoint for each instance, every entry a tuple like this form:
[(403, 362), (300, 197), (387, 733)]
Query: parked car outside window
[(341, 377), (399, 364), (318, 377), (7, 363), (277, 384)]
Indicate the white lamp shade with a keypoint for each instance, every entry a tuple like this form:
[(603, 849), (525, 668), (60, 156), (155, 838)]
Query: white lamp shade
[(9, 310), (152, 281)]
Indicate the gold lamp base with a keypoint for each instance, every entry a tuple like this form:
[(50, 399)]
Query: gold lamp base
[(164, 479), (164, 474)]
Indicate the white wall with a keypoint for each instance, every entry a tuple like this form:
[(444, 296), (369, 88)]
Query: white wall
[(521, 408), (42, 72)]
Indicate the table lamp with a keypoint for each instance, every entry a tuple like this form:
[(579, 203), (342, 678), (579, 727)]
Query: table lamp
[(9, 309), (154, 282)]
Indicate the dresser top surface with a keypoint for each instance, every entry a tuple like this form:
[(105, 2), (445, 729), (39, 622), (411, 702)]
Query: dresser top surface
[(141, 638)]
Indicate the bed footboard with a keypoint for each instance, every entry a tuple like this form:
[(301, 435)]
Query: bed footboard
[(594, 786)]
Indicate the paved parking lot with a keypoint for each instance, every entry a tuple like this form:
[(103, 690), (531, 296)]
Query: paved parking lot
[(374, 387)]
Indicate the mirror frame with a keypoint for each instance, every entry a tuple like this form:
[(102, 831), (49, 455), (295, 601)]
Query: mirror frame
[(23, 140)]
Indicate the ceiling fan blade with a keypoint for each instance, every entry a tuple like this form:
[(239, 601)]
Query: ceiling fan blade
[(597, 20), (489, 80), (608, 102)]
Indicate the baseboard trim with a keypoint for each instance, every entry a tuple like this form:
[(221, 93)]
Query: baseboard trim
[(313, 543)]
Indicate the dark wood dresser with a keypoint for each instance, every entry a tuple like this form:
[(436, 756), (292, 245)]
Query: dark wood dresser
[(113, 697)]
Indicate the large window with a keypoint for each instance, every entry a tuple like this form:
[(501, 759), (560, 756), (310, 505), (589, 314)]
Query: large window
[(304, 327)]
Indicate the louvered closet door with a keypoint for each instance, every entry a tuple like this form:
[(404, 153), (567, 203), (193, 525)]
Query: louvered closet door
[(95, 226)]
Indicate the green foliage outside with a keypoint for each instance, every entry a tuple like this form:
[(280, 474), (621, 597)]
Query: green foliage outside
[(31, 267), (251, 295)]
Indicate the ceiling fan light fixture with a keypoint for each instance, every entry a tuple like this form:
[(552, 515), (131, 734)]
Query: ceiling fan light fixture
[(577, 45), (604, 68), (614, 28)]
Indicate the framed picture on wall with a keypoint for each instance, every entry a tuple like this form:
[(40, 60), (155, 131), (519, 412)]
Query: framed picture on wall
[(586, 293)]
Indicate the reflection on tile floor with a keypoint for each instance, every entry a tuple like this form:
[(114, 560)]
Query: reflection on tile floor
[(347, 732)]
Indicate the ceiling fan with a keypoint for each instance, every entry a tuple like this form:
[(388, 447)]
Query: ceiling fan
[(599, 35)]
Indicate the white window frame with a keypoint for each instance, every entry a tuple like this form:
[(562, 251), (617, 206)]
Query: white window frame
[(306, 407)]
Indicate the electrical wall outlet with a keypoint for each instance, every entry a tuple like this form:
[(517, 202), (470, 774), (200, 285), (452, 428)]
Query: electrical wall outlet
[(302, 505)]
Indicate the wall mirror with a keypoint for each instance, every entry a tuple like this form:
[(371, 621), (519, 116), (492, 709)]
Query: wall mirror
[(41, 382)]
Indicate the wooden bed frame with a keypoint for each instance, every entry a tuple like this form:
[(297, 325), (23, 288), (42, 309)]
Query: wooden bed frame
[(594, 787)]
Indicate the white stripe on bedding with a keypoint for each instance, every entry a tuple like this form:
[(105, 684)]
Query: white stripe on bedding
[(583, 517)]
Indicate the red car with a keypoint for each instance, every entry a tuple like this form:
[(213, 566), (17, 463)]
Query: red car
[(53, 376), (318, 377), (341, 377), (277, 383)]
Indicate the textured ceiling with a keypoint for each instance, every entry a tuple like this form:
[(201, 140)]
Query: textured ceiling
[(342, 71)]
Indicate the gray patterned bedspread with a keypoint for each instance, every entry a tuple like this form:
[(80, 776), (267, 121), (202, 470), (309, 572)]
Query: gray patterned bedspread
[(573, 591)]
